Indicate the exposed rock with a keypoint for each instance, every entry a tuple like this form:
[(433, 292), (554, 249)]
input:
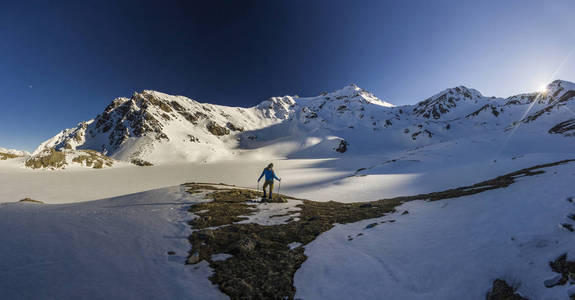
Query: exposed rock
[(193, 259), (485, 107), (342, 148), (425, 131), (566, 128), (29, 200), (371, 225), (502, 291), (568, 226), (233, 127), (92, 159), (562, 266), (193, 139), (53, 159), (48, 158), (140, 162), (244, 246), (216, 129)]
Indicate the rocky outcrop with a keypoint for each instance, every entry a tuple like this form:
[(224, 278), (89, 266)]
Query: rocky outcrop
[(216, 129), (47, 159), (566, 128), (53, 159), (141, 162), (342, 147), (503, 291)]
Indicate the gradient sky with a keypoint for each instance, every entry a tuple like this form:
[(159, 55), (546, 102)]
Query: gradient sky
[(63, 62)]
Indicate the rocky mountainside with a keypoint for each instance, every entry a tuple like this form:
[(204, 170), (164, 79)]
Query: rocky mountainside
[(155, 127)]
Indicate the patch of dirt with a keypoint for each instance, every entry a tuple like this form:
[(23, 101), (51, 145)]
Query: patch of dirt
[(262, 265)]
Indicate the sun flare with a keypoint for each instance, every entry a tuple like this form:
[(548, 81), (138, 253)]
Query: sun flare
[(542, 89)]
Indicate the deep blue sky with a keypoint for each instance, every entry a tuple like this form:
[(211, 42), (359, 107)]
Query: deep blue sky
[(63, 62)]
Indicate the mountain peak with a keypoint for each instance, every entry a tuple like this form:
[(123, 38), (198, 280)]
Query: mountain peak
[(556, 86), (354, 92), (466, 92), (443, 102)]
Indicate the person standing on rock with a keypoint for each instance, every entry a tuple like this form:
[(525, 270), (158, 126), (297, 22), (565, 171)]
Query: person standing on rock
[(270, 175)]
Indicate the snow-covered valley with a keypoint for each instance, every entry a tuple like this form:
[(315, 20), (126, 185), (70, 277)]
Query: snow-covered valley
[(111, 227)]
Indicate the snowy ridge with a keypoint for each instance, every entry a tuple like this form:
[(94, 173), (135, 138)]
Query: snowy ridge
[(156, 127), (159, 128), (441, 104), (14, 152)]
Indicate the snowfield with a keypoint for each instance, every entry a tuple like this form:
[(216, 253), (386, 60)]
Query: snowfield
[(107, 249), (450, 249)]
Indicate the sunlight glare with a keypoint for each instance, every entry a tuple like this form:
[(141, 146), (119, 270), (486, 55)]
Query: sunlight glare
[(542, 89)]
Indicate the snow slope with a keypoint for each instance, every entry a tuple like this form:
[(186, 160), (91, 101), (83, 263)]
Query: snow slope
[(450, 249), (108, 249)]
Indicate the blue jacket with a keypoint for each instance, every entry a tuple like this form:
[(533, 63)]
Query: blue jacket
[(270, 175)]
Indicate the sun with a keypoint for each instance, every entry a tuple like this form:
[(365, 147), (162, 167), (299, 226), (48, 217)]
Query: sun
[(542, 89)]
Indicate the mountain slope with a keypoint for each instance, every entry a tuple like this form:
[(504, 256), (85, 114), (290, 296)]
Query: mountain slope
[(159, 128)]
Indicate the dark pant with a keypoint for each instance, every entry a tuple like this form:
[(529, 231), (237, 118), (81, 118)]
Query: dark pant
[(269, 183)]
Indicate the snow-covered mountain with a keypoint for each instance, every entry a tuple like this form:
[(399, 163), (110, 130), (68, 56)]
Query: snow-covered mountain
[(11, 153), (14, 152), (156, 127)]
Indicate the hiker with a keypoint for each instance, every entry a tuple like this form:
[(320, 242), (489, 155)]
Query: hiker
[(270, 175)]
